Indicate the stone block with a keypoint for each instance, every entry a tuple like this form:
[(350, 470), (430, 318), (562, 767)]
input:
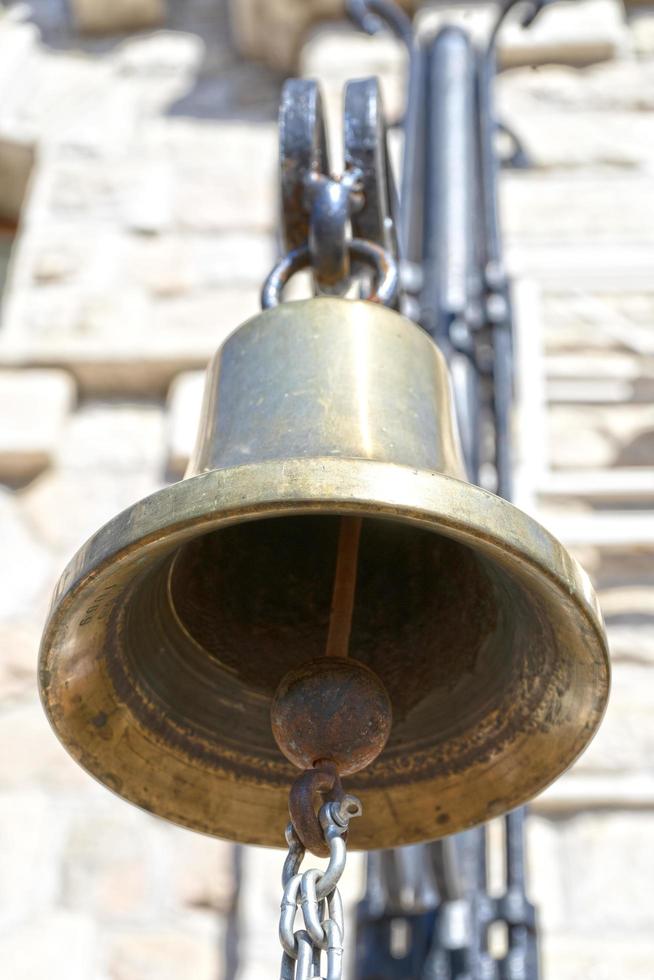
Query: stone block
[(577, 791), (61, 945), (588, 32), (30, 828), (621, 266), (204, 875), (126, 310), (30, 753), (27, 570), (571, 141), (114, 438), (624, 85), (633, 643), (591, 31), (226, 176), (641, 25), (16, 163), (607, 865), (19, 643), (35, 405), (544, 873), (157, 70), (625, 740), (592, 436), (117, 17), (601, 322), (65, 507), (274, 31), (633, 484), (596, 958), (170, 265), (610, 530), (119, 339), (164, 954), (183, 417), (612, 208), (148, 206), (109, 859)]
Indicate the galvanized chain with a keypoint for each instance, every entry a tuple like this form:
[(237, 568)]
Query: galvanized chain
[(314, 894)]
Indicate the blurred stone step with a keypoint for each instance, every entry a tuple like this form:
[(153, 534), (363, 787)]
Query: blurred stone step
[(594, 365), (34, 405), (183, 406), (632, 643), (623, 86), (593, 436), (122, 341), (584, 392), (604, 209), (94, 103), (574, 792), (614, 529), (134, 267), (601, 104), (624, 577), (628, 609), (560, 140), (57, 942), (209, 176), (65, 507), (585, 264), (607, 486), (641, 27), (600, 321), (570, 957), (118, 17), (27, 574), (113, 438), (625, 740), (609, 321), (274, 31)]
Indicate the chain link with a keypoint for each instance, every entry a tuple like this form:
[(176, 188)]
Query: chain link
[(315, 895)]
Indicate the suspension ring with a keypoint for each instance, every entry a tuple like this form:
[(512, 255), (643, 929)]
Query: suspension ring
[(385, 279)]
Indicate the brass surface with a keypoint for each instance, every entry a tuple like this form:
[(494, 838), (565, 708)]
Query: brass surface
[(172, 627)]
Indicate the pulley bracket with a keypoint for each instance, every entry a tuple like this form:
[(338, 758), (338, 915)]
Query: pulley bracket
[(324, 215)]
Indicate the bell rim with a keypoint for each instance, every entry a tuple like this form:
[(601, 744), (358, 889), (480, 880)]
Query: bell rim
[(334, 485)]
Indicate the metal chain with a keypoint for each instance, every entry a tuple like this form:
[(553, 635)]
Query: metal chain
[(315, 895)]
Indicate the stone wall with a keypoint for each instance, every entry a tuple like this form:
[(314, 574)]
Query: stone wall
[(146, 199)]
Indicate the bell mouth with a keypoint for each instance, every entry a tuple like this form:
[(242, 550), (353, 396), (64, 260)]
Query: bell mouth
[(210, 632), (160, 662)]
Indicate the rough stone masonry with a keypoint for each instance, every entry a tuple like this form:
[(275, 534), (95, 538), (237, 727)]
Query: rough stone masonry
[(139, 169)]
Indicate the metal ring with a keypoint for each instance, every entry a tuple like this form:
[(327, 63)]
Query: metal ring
[(385, 285), (287, 936), (305, 793), (311, 908)]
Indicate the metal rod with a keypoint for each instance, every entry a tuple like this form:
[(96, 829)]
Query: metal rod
[(345, 581)]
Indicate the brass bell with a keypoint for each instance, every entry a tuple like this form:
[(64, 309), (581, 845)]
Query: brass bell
[(172, 627)]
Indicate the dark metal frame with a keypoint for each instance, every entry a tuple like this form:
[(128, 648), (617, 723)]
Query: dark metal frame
[(427, 912)]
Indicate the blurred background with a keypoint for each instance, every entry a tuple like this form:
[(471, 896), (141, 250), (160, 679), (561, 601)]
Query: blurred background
[(137, 217)]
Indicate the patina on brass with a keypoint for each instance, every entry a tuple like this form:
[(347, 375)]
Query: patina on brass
[(173, 626)]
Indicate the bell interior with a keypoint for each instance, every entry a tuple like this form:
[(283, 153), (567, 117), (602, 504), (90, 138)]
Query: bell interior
[(460, 645)]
